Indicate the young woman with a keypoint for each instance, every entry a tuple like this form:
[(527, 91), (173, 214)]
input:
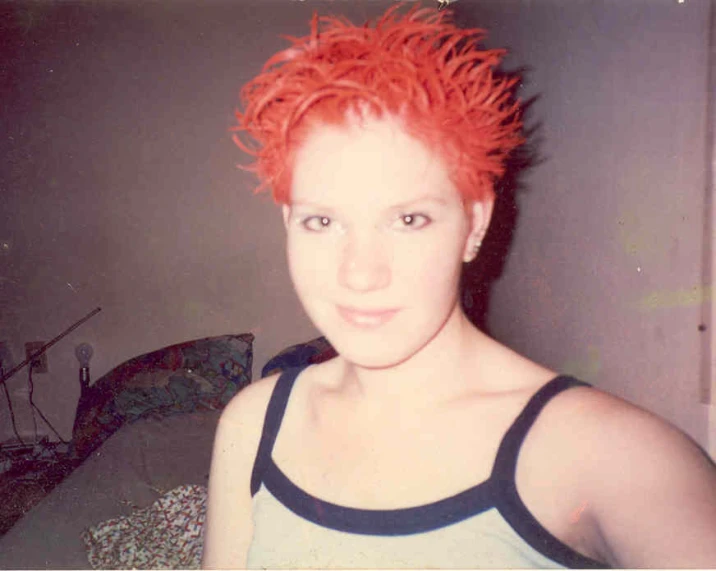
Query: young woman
[(425, 443)]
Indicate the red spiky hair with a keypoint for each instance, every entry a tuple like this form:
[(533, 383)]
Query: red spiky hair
[(418, 67)]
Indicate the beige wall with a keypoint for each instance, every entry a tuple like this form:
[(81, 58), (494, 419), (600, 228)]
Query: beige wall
[(120, 190), (605, 274)]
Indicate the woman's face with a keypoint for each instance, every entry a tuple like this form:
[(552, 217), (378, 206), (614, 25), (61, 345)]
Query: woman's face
[(377, 234)]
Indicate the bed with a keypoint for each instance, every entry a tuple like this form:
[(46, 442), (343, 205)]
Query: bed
[(129, 491)]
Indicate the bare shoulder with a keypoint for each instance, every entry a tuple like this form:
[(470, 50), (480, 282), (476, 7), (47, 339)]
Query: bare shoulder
[(248, 407), (621, 435), (244, 416), (241, 422), (650, 488), (624, 431), (228, 525)]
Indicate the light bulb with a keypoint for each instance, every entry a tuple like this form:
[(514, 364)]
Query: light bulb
[(84, 351)]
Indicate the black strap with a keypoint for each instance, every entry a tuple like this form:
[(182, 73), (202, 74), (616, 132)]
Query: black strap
[(505, 466), (503, 476), (272, 422)]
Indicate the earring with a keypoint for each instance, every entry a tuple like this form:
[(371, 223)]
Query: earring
[(473, 253)]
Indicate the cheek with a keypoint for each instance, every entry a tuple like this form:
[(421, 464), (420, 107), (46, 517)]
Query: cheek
[(311, 265), (432, 266)]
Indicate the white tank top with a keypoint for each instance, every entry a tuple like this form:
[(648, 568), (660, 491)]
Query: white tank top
[(486, 526)]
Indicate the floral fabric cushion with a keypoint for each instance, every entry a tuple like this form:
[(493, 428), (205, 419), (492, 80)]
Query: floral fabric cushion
[(314, 351), (169, 534), (200, 374)]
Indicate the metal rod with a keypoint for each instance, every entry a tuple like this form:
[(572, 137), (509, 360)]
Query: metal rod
[(49, 344)]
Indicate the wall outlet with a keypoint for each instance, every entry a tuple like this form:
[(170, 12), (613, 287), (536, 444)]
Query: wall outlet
[(39, 364)]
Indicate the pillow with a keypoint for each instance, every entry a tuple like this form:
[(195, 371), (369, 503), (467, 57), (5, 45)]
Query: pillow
[(169, 534), (195, 375), (311, 352)]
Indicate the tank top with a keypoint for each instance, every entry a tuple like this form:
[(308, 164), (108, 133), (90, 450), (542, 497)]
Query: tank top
[(486, 526)]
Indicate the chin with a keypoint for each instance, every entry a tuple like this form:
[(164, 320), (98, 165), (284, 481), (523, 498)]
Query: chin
[(386, 359), (375, 350), (376, 346)]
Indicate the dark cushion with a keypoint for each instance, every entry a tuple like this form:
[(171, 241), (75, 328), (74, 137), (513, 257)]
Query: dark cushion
[(199, 374), (311, 352)]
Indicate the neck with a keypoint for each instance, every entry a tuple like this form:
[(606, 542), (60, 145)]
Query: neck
[(437, 371)]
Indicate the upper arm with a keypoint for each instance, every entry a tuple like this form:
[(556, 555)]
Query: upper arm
[(654, 491), (229, 527)]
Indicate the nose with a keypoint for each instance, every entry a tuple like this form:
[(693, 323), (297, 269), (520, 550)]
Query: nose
[(365, 265)]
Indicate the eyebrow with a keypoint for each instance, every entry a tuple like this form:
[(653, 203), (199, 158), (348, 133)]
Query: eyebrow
[(426, 198), (400, 206), (310, 206)]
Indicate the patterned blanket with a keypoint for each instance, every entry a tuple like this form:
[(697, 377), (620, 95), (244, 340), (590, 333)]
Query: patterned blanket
[(166, 535)]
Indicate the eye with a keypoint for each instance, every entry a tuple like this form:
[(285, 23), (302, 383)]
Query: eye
[(413, 221), (316, 223)]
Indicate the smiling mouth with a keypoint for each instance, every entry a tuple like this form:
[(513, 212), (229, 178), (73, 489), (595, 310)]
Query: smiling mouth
[(366, 319)]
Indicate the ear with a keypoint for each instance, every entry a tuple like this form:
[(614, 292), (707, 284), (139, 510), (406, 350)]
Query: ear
[(286, 211), (480, 213)]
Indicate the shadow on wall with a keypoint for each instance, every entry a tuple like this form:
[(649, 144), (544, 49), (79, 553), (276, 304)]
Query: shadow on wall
[(479, 275)]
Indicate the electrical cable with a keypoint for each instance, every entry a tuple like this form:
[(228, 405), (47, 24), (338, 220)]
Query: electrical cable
[(31, 389), (48, 423), (34, 408), (12, 415)]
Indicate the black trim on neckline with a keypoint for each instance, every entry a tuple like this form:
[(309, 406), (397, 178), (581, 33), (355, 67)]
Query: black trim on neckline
[(401, 521), (521, 520), (498, 491)]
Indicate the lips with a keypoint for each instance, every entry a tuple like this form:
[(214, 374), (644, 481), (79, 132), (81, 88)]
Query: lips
[(366, 318)]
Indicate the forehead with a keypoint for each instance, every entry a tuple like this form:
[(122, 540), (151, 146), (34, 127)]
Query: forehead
[(372, 161)]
